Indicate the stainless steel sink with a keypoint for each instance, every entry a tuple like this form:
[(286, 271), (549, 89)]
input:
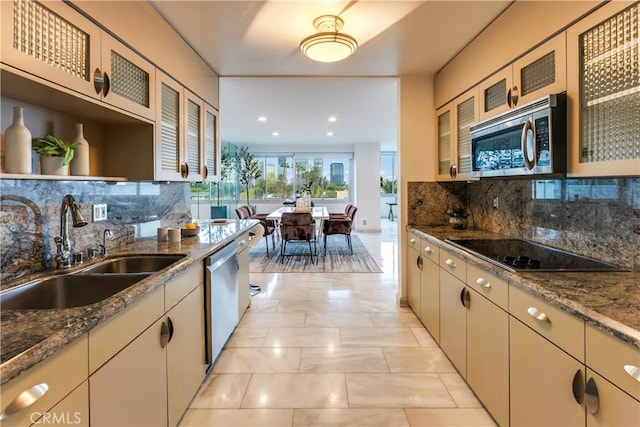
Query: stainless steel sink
[(133, 264), (68, 291)]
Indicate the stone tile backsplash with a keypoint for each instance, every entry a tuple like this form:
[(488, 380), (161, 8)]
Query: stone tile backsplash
[(597, 218), (30, 217)]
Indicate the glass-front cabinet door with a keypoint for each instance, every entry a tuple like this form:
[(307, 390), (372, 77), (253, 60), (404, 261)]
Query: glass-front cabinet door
[(454, 138), (194, 136), (211, 148), (169, 129), (51, 41), (603, 83)]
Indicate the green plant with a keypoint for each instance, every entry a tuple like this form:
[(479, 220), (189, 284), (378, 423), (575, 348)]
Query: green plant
[(457, 212), (52, 146), (247, 168), (226, 165)]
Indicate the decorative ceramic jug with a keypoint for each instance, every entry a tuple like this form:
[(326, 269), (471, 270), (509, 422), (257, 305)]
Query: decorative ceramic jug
[(17, 141), (80, 162)]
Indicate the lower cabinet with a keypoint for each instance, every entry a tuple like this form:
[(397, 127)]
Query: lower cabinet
[(611, 406), (185, 353), (453, 321), (430, 297), (546, 383), (413, 280), (244, 294), (72, 410), (131, 388), (488, 355)]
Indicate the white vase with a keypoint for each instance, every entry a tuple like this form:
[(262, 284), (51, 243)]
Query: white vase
[(17, 142), (80, 162), (52, 165)]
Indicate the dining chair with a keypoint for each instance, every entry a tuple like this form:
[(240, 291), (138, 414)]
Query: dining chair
[(297, 226), (243, 212), (338, 225)]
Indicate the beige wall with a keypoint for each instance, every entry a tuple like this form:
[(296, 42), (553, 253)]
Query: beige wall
[(145, 30), (416, 152), (523, 26)]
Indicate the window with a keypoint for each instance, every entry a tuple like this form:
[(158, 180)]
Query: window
[(277, 177), (389, 173)]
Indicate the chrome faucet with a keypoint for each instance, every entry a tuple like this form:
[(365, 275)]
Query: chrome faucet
[(63, 255), (103, 247)]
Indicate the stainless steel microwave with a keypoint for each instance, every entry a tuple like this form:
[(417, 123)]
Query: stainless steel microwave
[(528, 140)]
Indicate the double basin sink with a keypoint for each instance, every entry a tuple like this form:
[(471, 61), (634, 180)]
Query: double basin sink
[(88, 286)]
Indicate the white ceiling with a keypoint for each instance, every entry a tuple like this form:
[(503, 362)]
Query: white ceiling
[(258, 41)]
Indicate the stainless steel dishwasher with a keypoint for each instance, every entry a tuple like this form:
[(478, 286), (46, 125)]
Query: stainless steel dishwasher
[(221, 299)]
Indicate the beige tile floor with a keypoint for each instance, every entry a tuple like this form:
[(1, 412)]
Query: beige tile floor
[(334, 350)]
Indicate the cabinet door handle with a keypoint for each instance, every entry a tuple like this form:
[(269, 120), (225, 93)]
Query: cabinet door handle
[(428, 250), (634, 371), (25, 399), (98, 81), (465, 298), (515, 96), (538, 315), (419, 262), (412, 241), (577, 387), (483, 282), (453, 171), (107, 85), (591, 397), (205, 172), (450, 263), (509, 97), (164, 334), (184, 169), (170, 326)]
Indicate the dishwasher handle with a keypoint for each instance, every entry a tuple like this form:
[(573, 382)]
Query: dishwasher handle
[(218, 258)]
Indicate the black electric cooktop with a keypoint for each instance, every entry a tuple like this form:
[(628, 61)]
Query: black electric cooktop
[(520, 255)]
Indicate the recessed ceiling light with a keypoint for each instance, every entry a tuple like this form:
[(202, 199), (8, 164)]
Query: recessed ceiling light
[(332, 119), (275, 133), (329, 133), (262, 119)]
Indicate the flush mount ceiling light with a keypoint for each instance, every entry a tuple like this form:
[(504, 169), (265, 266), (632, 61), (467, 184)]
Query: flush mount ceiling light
[(328, 45)]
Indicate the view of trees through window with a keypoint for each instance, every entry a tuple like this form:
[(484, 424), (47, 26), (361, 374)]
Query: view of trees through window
[(388, 173)]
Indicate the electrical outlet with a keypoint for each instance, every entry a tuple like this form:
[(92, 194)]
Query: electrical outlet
[(99, 212), (495, 202), (364, 222)]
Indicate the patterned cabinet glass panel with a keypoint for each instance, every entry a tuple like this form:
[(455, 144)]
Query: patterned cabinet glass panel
[(168, 130), (494, 93), (211, 146), (444, 142), (51, 41), (193, 138), (610, 89), (465, 118)]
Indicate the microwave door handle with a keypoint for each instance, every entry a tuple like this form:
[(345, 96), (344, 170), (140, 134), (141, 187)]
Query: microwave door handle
[(526, 129)]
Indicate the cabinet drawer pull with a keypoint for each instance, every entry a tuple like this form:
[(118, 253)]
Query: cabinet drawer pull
[(25, 399), (483, 282), (450, 263), (412, 241), (428, 250), (538, 315), (634, 371), (578, 387), (591, 397)]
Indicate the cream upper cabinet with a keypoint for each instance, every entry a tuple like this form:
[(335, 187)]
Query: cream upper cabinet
[(53, 42), (211, 145), (603, 86), (454, 138), (186, 134), (126, 80), (536, 74)]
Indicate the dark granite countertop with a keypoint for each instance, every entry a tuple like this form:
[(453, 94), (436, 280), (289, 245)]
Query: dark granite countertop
[(608, 300), (29, 336)]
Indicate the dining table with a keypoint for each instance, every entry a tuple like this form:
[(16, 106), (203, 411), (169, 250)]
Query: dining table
[(319, 214)]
